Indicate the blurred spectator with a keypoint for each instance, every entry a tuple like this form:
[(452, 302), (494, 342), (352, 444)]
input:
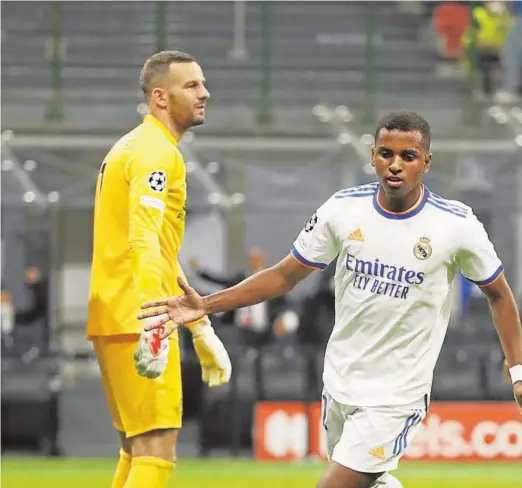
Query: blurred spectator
[(450, 20), (39, 288), (258, 323), (8, 314), (487, 35), (512, 59), (317, 316), (36, 312)]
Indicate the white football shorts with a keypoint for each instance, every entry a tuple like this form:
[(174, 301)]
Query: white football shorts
[(369, 439)]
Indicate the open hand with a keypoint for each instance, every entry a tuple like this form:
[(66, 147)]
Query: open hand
[(170, 313)]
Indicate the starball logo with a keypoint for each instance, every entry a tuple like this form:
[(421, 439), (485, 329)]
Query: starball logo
[(382, 279)]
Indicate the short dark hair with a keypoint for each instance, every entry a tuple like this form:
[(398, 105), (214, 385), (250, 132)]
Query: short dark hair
[(157, 65), (405, 121)]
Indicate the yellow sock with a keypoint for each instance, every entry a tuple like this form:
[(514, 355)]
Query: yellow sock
[(122, 470), (149, 472)]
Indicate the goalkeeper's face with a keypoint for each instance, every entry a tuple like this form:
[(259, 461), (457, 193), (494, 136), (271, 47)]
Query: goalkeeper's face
[(187, 95)]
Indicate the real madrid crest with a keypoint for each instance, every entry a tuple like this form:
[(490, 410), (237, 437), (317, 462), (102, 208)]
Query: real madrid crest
[(422, 249)]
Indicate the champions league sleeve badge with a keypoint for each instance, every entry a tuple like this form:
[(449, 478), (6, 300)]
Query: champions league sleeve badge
[(311, 223)]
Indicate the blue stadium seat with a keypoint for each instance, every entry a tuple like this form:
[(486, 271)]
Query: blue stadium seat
[(284, 372), (498, 388), (458, 375)]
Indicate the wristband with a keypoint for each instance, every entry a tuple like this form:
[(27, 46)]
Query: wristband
[(516, 373)]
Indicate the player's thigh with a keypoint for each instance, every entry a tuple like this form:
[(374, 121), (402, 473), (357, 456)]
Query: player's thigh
[(156, 443), (98, 344), (338, 476), (374, 439), (332, 418), (144, 405)]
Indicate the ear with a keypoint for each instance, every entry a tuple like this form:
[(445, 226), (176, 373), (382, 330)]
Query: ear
[(373, 156), (159, 97), (427, 163)]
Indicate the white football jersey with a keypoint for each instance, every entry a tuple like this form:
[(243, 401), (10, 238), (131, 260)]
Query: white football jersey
[(393, 288)]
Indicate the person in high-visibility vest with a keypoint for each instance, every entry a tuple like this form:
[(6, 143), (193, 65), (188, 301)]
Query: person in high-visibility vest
[(488, 35), (512, 59)]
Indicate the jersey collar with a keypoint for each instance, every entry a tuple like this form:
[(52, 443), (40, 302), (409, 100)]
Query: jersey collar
[(402, 215), (150, 119)]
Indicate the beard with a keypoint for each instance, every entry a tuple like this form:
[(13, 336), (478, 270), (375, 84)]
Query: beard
[(197, 121), (182, 116)]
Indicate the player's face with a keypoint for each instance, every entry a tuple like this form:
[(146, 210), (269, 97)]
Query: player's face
[(187, 95), (400, 160)]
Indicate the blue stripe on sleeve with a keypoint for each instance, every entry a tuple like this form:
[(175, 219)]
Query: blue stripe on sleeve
[(491, 279), (305, 261)]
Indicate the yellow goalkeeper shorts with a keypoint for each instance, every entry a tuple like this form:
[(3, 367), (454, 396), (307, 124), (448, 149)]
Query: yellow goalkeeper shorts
[(138, 404)]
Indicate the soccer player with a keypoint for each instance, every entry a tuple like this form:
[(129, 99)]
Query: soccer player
[(139, 221), (399, 247)]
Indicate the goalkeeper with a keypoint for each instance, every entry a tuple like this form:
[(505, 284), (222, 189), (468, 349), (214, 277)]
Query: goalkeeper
[(139, 221)]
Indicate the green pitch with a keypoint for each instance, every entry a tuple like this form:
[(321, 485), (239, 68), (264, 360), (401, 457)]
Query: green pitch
[(222, 473)]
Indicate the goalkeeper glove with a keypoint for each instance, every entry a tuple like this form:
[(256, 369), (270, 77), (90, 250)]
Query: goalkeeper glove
[(213, 357), (152, 354)]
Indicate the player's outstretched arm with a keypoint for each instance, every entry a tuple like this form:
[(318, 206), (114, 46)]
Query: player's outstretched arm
[(265, 285), (507, 322)]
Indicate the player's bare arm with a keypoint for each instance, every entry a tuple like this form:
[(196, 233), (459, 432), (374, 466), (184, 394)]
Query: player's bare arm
[(507, 322), (265, 285)]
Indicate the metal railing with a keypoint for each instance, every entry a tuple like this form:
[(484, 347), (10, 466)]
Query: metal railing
[(56, 53)]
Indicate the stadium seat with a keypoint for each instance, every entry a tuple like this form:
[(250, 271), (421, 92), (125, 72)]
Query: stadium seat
[(243, 380), (474, 329), (284, 373), (227, 412), (458, 375), (451, 21), (28, 380), (84, 401), (498, 388), (30, 403), (229, 335)]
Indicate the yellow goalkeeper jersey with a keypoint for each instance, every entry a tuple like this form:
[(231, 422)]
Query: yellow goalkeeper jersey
[(139, 222)]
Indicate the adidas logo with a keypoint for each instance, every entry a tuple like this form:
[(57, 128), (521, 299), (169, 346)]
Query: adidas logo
[(377, 452), (356, 235)]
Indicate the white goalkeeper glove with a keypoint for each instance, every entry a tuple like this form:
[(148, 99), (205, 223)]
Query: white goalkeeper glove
[(152, 354), (213, 357)]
